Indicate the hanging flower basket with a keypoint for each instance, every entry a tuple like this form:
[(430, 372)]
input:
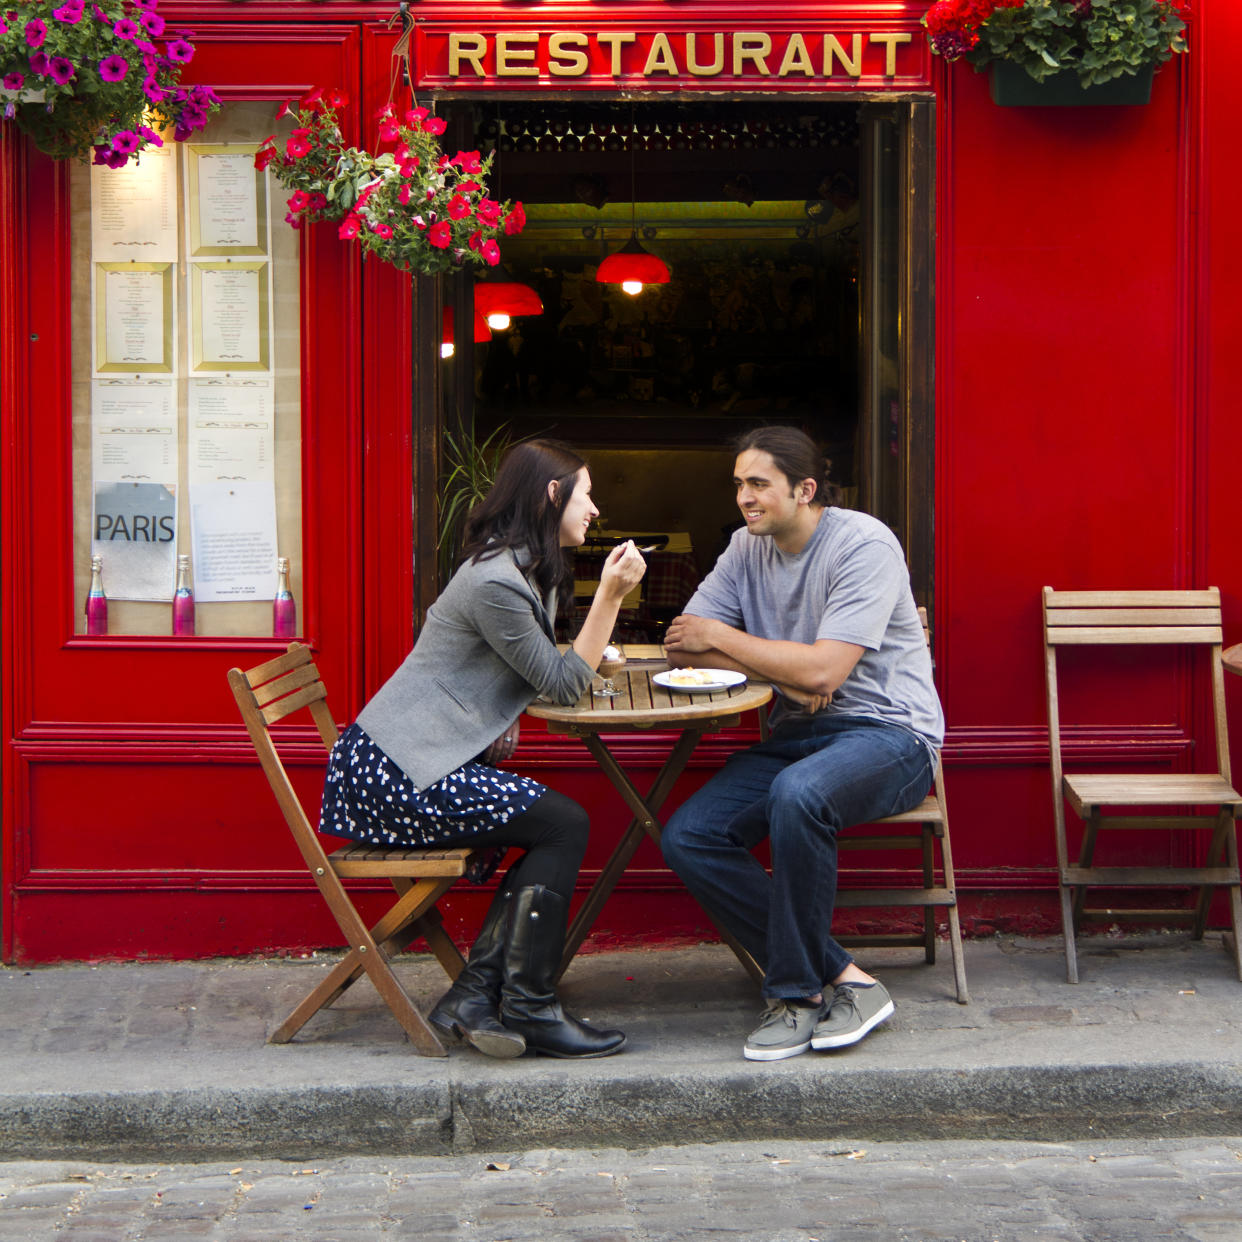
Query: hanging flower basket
[(1061, 52), (97, 80), (1012, 87), (412, 206)]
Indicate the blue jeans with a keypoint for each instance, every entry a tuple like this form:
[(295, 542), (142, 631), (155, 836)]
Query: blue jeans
[(811, 778)]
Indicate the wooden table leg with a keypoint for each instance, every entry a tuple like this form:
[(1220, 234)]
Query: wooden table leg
[(645, 821)]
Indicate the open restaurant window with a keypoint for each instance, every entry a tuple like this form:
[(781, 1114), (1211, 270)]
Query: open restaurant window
[(187, 489), (797, 235)]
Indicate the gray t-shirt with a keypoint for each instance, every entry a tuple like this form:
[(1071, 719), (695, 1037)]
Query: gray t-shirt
[(849, 583)]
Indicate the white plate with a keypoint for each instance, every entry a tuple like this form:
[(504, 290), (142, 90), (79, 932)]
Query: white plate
[(721, 679)]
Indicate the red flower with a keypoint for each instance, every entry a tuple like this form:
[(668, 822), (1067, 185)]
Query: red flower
[(491, 252), (467, 161), (476, 241), (458, 208), (468, 187), (489, 212), (349, 227), (403, 196), (435, 125), (318, 201), (515, 221), (439, 235), (266, 153), (311, 98), (336, 98), (298, 200), (415, 117), (389, 130), (383, 112), (298, 146), (381, 230), (285, 109)]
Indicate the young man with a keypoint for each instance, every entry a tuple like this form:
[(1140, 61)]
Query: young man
[(817, 601)]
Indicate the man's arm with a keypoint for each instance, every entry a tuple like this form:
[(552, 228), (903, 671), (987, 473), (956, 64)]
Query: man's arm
[(817, 668)]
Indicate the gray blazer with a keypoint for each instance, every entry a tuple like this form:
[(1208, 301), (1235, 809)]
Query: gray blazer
[(486, 650)]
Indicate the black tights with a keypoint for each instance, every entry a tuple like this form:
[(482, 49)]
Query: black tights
[(554, 835)]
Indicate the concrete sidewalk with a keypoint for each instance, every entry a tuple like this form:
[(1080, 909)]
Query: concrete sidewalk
[(168, 1061)]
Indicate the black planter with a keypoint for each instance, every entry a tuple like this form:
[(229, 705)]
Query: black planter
[(1013, 87)]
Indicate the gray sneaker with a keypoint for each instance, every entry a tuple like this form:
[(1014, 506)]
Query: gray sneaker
[(784, 1032), (852, 1012)]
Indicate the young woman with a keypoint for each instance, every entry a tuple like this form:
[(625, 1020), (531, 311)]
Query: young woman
[(419, 765)]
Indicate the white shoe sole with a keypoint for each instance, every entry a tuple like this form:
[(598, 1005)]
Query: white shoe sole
[(774, 1054), (820, 1042)]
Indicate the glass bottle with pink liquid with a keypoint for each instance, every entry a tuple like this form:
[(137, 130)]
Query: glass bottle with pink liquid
[(284, 608), (183, 601), (96, 600)]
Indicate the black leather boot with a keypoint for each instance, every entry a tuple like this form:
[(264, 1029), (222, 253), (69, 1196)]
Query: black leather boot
[(468, 1008), (528, 1004)]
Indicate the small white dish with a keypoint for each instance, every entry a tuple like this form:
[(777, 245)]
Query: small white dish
[(721, 679)]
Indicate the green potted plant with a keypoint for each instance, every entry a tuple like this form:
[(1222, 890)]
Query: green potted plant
[(412, 206), (99, 79), (1061, 52), (470, 466)]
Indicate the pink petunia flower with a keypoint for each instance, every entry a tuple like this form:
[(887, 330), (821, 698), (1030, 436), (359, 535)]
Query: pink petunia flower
[(69, 14), (126, 142), (36, 32), (39, 63), (113, 68), (14, 81), (62, 70), (152, 23), (125, 29), (154, 91), (151, 136), (180, 51)]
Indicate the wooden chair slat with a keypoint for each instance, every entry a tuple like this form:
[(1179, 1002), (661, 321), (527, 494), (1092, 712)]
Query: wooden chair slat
[(419, 877), (295, 656), (286, 684), (1133, 599), (1103, 800), (292, 702), (1123, 635), (1133, 616)]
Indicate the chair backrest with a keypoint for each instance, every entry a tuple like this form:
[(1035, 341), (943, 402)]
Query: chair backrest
[(1131, 618), (271, 692)]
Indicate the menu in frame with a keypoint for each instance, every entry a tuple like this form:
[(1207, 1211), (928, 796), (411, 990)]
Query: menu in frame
[(134, 317), (226, 198), (134, 208), (230, 313)]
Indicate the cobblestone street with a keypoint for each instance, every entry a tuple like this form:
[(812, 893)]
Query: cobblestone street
[(765, 1192)]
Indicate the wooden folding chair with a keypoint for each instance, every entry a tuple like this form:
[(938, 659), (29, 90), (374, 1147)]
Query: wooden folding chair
[(272, 692), (921, 828), (1114, 618)]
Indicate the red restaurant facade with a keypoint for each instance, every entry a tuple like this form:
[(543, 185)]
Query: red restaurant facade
[(1026, 355)]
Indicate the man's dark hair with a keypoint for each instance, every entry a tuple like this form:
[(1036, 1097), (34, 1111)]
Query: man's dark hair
[(796, 456), (517, 512)]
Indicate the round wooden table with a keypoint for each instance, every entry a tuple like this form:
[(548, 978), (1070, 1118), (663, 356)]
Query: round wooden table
[(642, 705)]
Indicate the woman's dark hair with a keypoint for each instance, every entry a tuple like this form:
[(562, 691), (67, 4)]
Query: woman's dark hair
[(795, 455), (518, 513)]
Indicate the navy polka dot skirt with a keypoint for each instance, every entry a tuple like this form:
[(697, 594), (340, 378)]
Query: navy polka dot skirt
[(368, 798)]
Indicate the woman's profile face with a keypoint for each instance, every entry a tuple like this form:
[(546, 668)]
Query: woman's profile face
[(579, 512)]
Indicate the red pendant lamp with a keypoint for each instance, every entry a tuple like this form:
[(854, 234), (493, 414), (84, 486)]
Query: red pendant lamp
[(499, 298), (632, 266)]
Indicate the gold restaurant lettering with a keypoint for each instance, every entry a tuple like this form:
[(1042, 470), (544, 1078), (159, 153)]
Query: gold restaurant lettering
[(571, 54)]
